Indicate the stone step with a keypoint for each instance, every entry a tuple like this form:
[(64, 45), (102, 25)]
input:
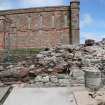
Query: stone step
[(4, 91)]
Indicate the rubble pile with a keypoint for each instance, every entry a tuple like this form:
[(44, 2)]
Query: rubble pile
[(58, 66)]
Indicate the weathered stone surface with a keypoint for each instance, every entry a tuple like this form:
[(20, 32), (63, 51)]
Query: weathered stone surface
[(38, 79), (53, 79), (1, 68), (89, 42), (1, 84), (51, 65), (22, 72), (40, 27), (64, 82), (45, 79)]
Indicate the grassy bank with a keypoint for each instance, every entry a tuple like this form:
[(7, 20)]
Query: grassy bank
[(17, 54)]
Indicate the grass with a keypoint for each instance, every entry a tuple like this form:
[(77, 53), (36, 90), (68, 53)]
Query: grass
[(25, 51), (18, 54)]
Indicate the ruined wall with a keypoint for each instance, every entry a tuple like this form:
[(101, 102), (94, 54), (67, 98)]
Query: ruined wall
[(1, 40), (75, 30), (37, 27)]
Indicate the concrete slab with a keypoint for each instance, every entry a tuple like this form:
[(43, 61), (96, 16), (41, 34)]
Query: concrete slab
[(83, 98), (3, 91), (40, 96)]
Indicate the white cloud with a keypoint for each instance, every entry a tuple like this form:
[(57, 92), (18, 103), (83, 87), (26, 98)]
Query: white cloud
[(37, 3), (86, 20), (92, 28), (9, 4)]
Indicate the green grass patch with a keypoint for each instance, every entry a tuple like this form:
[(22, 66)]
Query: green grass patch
[(26, 51), (15, 55)]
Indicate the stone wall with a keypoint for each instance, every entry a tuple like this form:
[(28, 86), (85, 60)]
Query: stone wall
[(38, 27), (1, 40)]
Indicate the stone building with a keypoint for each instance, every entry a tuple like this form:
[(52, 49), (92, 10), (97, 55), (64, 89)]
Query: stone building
[(40, 27)]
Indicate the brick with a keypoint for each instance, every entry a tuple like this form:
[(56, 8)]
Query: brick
[(41, 27)]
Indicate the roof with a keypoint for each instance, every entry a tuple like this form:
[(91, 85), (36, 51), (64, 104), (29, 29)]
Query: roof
[(31, 10)]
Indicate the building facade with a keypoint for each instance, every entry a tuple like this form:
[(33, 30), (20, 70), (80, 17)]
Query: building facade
[(40, 27)]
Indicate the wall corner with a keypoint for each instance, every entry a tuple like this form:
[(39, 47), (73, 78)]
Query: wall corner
[(74, 25)]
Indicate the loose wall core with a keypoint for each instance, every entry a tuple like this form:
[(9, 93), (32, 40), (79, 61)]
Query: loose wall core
[(36, 27)]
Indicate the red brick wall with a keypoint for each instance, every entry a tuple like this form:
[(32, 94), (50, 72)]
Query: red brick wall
[(37, 27), (1, 40)]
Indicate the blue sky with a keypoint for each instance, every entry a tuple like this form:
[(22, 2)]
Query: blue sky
[(92, 16)]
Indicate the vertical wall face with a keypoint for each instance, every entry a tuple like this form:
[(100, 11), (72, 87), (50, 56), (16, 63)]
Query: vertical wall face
[(1, 32), (38, 28), (5, 30), (41, 27), (75, 30), (1, 40)]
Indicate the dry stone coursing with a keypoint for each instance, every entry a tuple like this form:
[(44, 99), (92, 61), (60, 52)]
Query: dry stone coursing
[(60, 66)]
